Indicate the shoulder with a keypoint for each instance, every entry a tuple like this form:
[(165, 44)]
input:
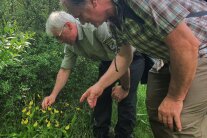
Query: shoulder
[(103, 28), (103, 32)]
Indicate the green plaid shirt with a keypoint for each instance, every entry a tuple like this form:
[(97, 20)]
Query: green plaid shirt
[(156, 20)]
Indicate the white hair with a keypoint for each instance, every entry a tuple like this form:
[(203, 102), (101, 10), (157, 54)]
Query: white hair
[(57, 20)]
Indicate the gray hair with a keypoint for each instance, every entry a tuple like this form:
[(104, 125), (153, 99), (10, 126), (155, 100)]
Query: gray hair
[(57, 20)]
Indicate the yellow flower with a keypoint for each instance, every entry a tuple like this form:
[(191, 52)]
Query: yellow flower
[(66, 104), (43, 111), (49, 108), (24, 122), (48, 124), (67, 127), (28, 113), (30, 107), (56, 111), (31, 103), (57, 124), (35, 124), (24, 110), (77, 108), (37, 108), (46, 121)]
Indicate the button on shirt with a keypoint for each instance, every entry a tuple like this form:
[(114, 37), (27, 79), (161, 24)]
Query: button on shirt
[(157, 19), (93, 43)]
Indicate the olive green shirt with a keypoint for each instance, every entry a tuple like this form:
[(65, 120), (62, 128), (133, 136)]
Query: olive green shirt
[(94, 43)]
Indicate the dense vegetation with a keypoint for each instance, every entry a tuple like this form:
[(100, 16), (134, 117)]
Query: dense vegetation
[(29, 62)]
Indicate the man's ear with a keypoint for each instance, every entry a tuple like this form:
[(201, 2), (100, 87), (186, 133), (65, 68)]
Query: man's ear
[(94, 3), (69, 25)]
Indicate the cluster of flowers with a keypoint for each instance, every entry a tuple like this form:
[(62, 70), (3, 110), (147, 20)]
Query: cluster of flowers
[(33, 116)]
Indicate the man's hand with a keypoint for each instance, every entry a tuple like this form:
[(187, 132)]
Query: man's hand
[(92, 95), (169, 113), (118, 93), (49, 100)]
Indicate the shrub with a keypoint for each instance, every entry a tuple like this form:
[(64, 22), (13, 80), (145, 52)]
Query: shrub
[(35, 73), (12, 42)]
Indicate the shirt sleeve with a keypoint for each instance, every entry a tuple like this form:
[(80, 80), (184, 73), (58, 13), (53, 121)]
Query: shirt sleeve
[(69, 59), (119, 36)]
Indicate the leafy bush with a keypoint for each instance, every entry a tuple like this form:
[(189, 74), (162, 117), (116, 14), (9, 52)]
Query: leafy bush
[(12, 42), (35, 73), (30, 14)]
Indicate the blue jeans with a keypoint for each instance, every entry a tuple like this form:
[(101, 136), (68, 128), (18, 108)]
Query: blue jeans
[(126, 108)]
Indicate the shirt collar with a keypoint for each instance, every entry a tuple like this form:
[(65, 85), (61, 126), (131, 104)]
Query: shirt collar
[(119, 18), (80, 31), (85, 32), (123, 11)]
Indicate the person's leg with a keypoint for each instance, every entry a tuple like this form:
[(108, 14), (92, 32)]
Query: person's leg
[(194, 113), (103, 109), (157, 87), (127, 107)]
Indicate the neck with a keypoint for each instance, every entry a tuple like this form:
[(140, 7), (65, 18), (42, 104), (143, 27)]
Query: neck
[(110, 8)]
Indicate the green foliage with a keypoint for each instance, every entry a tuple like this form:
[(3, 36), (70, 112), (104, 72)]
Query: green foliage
[(142, 129), (56, 121), (30, 14), (12, 43), (36, 73)]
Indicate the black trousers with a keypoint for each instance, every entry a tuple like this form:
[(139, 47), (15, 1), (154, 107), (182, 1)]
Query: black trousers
[(126, 108)]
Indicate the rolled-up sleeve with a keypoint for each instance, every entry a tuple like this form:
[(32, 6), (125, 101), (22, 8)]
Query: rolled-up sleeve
[(69, 59)]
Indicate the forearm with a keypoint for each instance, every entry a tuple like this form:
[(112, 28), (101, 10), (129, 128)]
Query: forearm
[(123, 60), (125, 80), (61, 80), (183, 70), (183, 62)]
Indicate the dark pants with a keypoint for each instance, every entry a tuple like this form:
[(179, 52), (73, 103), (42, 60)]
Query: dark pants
[(126, 108)]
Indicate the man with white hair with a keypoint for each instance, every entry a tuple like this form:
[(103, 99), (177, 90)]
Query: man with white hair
[(96, 44)]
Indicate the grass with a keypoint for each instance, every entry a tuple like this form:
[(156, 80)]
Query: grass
[(142, 129)]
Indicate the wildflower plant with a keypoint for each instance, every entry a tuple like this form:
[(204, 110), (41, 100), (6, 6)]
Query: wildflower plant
[(49, 122)]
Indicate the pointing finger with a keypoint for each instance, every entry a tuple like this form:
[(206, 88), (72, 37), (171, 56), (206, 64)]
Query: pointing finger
[(84, 96)]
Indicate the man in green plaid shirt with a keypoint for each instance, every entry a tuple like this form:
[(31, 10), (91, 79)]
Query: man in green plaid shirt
[(172, 30)]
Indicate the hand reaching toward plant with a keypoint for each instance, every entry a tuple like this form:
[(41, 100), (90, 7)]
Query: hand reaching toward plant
[(92, 95), (47, 101)]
